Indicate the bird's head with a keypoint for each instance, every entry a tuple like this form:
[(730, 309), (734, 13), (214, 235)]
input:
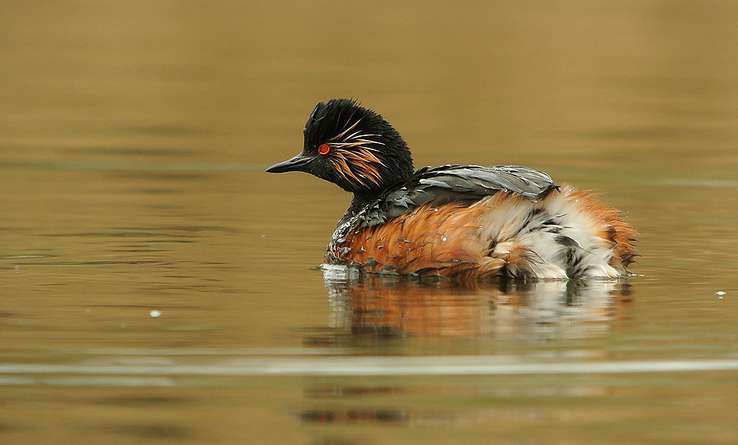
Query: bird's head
[(351, 146)]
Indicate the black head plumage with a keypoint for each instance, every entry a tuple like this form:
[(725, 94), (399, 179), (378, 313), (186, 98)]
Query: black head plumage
[(351, 146)]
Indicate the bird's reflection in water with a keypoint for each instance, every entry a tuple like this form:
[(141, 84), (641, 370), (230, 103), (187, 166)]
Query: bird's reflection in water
[(378, 311), (390, 307)]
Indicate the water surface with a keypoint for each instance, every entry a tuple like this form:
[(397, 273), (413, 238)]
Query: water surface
[(134, 138)]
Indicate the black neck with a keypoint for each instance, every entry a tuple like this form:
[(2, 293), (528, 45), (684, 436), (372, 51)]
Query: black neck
[(362, 199), (365, 197)]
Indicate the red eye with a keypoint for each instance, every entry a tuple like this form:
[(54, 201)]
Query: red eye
[(324, 149)]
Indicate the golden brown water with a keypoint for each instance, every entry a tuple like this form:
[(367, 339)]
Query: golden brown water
[(133, 140)]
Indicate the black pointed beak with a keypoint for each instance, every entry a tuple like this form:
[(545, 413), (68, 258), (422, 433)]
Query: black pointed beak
[(298, 163)]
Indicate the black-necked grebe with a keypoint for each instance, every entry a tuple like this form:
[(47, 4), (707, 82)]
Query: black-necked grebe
[(458, 221)]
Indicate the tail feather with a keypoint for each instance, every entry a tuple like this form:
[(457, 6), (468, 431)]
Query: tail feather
[(568, 234)]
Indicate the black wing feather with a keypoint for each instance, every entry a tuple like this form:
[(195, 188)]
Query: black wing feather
[(457, 183)]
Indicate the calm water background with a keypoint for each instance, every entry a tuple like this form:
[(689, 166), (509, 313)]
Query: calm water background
[(132, 143)]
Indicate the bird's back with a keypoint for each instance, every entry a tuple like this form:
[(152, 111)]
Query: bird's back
[(472, 222)]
